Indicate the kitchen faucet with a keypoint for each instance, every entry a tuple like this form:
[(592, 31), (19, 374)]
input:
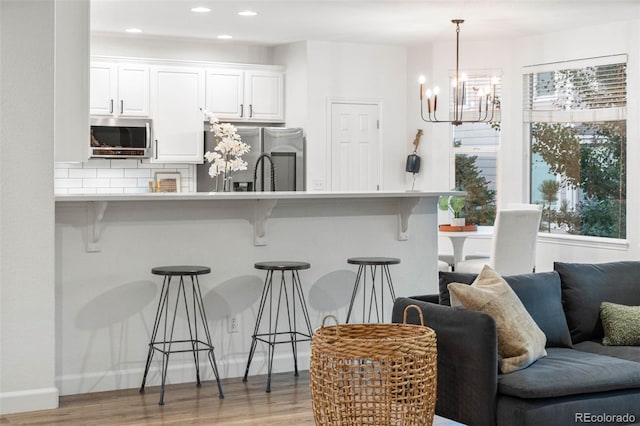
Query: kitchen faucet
[(273, 172)]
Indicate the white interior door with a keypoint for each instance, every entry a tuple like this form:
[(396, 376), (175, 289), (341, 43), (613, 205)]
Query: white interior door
[(355, 147)]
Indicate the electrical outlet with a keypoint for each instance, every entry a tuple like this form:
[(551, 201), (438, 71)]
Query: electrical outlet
[(233, 324)]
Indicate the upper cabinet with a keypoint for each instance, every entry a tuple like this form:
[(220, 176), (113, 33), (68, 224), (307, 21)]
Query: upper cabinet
[(178, 123), (119, 90), (245, 95)]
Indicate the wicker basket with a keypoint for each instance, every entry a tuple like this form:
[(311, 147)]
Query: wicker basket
[(373, 374)]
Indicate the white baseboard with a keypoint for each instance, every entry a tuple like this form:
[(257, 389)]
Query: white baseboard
[(28, 400), (179, 371)]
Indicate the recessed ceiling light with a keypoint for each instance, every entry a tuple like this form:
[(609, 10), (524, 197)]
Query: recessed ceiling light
[(133, 30), (201, 9), (225, 37), (247, 13)]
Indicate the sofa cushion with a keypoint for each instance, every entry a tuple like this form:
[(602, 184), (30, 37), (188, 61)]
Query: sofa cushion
[(540, 293), (568, 372), (447, 278), (520, 340), (586, 285), (621, 324), (630, 353)]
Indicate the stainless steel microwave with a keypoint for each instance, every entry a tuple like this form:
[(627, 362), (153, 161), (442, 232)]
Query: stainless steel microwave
[(120, 138)]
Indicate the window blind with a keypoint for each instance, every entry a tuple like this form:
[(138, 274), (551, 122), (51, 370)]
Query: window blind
[(587, 90)]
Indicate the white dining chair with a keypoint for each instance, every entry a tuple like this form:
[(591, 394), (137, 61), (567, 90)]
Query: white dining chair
[(513, 244), (443, 266), (510, 206)]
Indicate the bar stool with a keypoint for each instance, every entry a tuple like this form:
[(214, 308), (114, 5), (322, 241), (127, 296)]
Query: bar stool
[(273, 337), (373, 263), (194, 344)]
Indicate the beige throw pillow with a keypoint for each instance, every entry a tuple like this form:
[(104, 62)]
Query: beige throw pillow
[(520, 340)]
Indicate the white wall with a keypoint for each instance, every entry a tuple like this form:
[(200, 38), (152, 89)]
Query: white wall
[(27, 274), (511, 56), (177, 49), (117, 176), (358, 72), (294, 58)]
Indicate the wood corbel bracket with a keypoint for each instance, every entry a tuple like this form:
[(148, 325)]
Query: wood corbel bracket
[(406, 206), (95, 214), (262, 213)]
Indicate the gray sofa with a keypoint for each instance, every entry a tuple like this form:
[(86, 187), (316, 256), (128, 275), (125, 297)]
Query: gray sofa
[(579, 381)]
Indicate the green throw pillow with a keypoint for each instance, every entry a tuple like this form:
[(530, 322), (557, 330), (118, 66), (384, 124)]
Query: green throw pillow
[(621, 324)]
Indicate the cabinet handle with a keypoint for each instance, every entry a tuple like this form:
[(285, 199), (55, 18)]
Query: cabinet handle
[(111, 107), (121, 106), (250, 110), (241, 110), (156, 149)]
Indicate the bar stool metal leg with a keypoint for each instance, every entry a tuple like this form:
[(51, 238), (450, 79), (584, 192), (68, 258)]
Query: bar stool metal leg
[(193, 308), (164, 294), (378, 270), (266, 289), (203, 316), (291, 299)]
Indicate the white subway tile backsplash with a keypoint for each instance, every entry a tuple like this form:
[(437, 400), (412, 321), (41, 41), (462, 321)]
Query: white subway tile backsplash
[(82, 173), (110, 190), (110, 173), (148, 165), (136, 190), (82, 190), (116, 176), (144, 182), (137, 173), (97, 163), (60, 173), (124, 164), (67, 183), (124, 182), (96, 183)]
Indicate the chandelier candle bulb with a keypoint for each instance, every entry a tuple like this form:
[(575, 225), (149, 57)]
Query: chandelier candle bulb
[(459, 96)]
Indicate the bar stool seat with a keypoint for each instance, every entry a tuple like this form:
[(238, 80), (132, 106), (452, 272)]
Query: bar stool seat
[(371, 265), (294, 300), (194, 343)]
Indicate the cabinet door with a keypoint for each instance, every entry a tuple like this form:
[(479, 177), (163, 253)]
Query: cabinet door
[(133, 90), (225, 94), (265, 95), (102, 88), (177, 96)]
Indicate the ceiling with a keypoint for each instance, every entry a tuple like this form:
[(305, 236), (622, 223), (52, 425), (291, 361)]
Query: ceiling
[(397, 22)]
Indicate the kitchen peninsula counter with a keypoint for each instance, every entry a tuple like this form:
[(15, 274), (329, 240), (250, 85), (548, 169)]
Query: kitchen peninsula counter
[(278, 195), (107, 244)]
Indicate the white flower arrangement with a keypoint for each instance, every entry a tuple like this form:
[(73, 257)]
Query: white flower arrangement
[(225, 157)]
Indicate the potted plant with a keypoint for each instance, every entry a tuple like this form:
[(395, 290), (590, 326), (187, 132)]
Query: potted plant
[(454, 204)]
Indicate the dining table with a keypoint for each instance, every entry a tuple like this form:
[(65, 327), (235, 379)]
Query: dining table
[(458, 238)]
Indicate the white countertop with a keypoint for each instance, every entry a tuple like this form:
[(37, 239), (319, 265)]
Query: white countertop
[(282, 195)]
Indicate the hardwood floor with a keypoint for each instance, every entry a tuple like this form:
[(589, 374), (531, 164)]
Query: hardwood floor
[(289, 403)]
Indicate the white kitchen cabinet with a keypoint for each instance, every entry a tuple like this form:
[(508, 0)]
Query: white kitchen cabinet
[(119, 90), (246, 95), (177, 97)]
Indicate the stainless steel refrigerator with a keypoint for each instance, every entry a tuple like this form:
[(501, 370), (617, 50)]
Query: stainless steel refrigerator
[(285, 147)]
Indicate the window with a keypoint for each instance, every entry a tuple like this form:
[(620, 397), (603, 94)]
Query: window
[(475, 147), (575, 116)]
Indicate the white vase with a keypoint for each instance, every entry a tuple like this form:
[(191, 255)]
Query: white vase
[(458, 221)]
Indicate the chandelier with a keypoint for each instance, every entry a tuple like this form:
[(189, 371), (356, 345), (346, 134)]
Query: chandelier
[(485, 96)]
